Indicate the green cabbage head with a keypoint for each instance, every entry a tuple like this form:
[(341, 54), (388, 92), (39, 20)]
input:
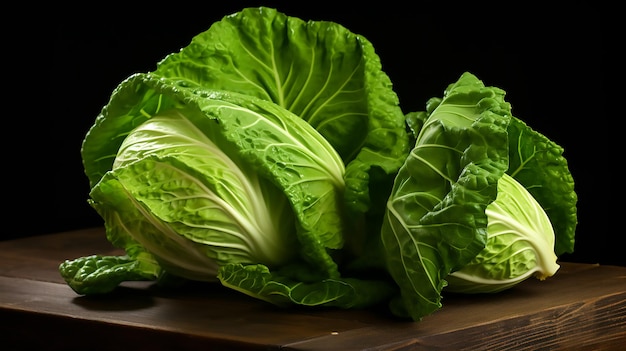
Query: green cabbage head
[(245, 158), (481, 203)]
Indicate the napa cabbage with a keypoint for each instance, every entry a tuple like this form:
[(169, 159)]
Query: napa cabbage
[(245, 158)]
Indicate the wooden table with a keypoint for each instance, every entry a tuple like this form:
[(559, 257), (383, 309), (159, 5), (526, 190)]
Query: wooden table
[(582, 307)]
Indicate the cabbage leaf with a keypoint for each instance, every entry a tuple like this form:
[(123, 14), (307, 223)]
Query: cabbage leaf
[(320, 71)]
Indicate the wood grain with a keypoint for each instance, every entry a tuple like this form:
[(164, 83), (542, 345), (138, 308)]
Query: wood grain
[(583, 307)]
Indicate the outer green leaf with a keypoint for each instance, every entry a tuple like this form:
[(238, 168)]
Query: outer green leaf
[(101, 274), (538, 164), (257, 281), (320, 71)]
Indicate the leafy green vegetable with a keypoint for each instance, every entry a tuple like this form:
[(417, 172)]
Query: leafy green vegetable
[(248, 147), (441, 219), (208, 178), (271, 155), (436, 220)]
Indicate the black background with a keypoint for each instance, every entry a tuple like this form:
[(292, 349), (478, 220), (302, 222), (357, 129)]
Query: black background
[(549, 61)]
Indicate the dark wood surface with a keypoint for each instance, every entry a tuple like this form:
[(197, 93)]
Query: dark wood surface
[(583, 307)]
